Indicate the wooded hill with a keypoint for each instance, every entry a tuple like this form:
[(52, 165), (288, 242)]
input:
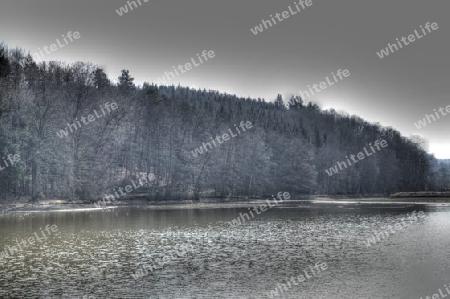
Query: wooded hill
[(156, 128)]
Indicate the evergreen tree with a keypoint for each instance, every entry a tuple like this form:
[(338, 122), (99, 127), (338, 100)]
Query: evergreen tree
[(126, 82)]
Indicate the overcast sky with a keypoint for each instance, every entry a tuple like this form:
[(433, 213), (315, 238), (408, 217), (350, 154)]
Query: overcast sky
[(396, 91)]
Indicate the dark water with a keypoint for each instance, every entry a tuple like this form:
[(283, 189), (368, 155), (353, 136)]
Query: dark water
[(200, 255)]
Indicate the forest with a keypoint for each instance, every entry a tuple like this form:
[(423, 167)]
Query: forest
[(155, 129)]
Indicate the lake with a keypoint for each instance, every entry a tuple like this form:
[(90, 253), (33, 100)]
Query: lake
[(195, 252)]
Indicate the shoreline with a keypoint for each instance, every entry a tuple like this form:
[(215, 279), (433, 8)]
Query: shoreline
[(63, 205)]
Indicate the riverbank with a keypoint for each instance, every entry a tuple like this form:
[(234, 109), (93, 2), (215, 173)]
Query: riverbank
[(66, 205), (387, 199), (424, 194)]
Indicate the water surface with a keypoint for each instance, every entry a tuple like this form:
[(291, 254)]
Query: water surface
[(94, 253)]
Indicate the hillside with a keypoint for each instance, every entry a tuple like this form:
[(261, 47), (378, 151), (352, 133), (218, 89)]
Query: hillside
[(45, 116)]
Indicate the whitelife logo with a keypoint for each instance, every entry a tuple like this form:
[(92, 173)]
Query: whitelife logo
[(281, 17), (54, 47), (198, 151), (128, 189), (334, 170), (391, 48), (423, 123), (30, 240), (263, 207), (124, 9), (342, 74), (413, 218), (438, 296), (90, 118), (12, 160), (301, 278), (187, 67)]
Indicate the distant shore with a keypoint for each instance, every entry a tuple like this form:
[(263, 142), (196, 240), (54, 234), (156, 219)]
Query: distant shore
[(406, 198), (424, 194)]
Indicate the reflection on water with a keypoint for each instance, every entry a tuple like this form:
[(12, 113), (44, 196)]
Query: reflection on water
[(199, 255)]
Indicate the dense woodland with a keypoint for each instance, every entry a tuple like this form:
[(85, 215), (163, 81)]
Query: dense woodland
[(156, 128)]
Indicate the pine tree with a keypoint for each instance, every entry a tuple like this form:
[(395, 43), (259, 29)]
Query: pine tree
[(126, 82)]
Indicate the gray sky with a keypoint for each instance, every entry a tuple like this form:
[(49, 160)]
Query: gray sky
[(396, 91)]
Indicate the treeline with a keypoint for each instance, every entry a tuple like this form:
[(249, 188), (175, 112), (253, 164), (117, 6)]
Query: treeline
[(156, 128)]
